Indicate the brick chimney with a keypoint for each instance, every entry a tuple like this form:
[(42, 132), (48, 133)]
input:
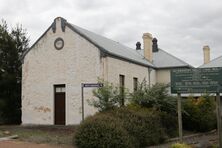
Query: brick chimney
[(147, 43), (206, 54)]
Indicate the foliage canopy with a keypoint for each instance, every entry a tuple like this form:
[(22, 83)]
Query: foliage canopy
[(13, 42)]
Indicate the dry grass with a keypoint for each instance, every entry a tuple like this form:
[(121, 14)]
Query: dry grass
[(61, 135)]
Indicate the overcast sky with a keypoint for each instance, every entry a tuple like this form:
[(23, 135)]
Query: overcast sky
[(182, 27)]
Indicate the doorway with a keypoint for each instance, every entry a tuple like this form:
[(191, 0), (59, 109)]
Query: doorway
[(60, 101)]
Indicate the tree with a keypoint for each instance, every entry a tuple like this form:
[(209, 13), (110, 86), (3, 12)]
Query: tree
[(13, 43)]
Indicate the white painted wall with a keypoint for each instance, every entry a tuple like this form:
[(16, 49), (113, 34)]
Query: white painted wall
[(153, 77), (44, 66), (163, 76), (115, 67)]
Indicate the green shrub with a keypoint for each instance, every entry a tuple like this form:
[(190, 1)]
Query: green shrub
[(143, 124), (107, 97), (156, 96), (170, 124), (131, 126), (201, 114), (102, 131), (180, 145)]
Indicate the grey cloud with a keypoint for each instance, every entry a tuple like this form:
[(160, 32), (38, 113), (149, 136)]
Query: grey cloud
[(182, 27)]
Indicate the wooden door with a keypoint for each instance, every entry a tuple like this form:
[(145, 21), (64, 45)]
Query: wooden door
[(60, 105)]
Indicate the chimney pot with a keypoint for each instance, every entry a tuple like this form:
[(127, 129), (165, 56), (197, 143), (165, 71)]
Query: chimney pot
[(138, 46), (155, 45)]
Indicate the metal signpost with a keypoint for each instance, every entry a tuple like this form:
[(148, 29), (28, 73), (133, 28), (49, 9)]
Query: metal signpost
[(199, 80), (82, 90)]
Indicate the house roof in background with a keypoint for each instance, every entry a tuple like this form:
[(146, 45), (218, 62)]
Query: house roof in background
[(217, 62), (163, 59)]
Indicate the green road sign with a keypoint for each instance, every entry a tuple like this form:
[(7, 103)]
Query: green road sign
[(196, 80)]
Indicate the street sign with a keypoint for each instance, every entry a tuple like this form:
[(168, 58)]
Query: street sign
[(92, 84), (198, 80), (82, 90)]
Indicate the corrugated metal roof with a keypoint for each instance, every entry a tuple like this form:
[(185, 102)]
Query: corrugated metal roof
[(163, 59), (214, 63), (112, 47)]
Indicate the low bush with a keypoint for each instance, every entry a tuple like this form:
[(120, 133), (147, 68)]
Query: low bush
[(180, 145), (200, 115), (168, 121), (102, 131), (107, 97), (143, 124), (156, 97), (170, 124), (121, 127)]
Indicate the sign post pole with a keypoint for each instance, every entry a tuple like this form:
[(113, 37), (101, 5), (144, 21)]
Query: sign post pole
[(179, 117), (219, 127), (82, 94), (82, 102)]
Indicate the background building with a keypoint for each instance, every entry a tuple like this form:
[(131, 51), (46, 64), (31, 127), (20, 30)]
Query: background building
[(217, 62)]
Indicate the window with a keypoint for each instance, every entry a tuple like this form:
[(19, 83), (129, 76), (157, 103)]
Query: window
[(121, 80), (122, 86), (135, 83), (60, 88)]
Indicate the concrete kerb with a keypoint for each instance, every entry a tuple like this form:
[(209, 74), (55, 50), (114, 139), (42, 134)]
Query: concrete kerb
[(8, 138)]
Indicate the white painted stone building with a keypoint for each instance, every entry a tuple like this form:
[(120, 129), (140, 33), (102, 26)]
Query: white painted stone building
[(66, 56)]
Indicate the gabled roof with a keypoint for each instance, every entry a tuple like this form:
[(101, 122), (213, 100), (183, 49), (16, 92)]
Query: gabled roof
[(214, 63), (111, 47), (162, 59)]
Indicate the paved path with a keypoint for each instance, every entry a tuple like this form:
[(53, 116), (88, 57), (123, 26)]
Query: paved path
[(21, 144)]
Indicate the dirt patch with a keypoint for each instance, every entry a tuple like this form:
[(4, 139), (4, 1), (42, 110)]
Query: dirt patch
[(57, 135), (21, 144)]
